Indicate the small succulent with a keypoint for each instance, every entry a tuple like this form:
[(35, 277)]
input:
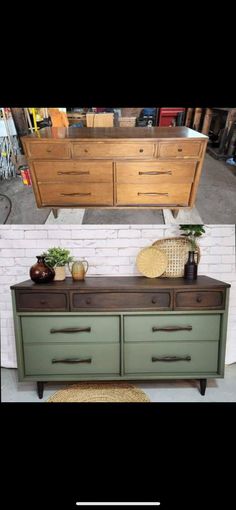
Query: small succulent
[(57, 256)]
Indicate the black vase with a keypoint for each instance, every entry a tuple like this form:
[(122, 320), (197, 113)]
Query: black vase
[(190, 268), (40, 272)]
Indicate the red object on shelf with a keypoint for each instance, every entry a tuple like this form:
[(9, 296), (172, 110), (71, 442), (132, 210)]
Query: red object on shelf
[(168, 116)]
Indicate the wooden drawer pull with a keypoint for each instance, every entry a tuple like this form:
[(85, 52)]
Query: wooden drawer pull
[(199, 299), (140, 150), (72, 360), (180, 150), (171, 358), (43, 302), (73, 173), (75, 194), (71, 330), (154, 194), (173, 328), (156, 173)]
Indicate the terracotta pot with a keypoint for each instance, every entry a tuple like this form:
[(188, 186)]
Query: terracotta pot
[(40, 272)]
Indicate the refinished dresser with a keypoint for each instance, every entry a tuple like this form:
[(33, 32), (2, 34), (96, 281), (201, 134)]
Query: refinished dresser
[(152, 167), (121, 328)]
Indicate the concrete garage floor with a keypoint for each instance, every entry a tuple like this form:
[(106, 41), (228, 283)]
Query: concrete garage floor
[(24, 208), (215, 203), (218, 390)]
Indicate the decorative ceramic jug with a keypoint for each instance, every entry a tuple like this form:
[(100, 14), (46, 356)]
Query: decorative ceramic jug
[(79, 269), (40, 272)]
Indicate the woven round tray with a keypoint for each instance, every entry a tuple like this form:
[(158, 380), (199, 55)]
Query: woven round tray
[(151, 262), (100, 392), (176, 249)]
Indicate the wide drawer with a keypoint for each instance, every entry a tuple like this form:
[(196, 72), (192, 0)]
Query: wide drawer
[(70, 329), (185, 300), (171, 358), (179, 149), (74, 359), (47, 150), (112, 150), (171, 328), (39, 301), (73, 171), (155, 172), (153, 194), (76, 194), (121, 300)]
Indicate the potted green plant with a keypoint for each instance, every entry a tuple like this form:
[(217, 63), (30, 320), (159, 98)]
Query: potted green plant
[(57, 258), (192, 232)]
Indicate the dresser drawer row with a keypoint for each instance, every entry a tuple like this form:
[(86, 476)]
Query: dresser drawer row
[(160, 300), (107, 149), (172, 171), (136, 328), (162, 358)]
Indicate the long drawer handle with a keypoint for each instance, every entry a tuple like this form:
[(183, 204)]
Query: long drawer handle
[(173, 328), (71, 330), (153, 194), (72, 360), (171, 358), (73, 173), (74, 194), (155, 173)]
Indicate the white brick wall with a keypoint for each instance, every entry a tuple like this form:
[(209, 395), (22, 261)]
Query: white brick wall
[(110, 250)]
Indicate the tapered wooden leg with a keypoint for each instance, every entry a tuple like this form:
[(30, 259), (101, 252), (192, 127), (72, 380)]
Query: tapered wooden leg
[(55, 213), (40, 388), (203, 383), (175, 212)]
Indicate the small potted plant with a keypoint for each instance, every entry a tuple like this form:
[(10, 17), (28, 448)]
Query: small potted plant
[(57, 258), (192, 232)]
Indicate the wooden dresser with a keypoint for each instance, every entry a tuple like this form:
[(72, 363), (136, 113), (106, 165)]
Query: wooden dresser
[(115, 167), (121, 328)]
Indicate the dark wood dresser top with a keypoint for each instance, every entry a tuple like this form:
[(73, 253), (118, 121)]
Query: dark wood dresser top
[(124, 283)]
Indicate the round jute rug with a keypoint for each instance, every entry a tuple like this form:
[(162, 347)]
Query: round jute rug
[(100, 392)]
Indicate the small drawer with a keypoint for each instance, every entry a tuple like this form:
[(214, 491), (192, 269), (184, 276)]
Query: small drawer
[(82, 359), (179, 149), (171, 328), (48, 150), (210, 299), (113, 150), (73, 171), (71, 329), (41, 301), (76, 194), (121, 300), (166, 172), (171, 358), (153, 194)]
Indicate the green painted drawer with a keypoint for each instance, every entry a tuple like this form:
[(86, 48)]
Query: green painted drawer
[(140, 358), (94, 359), (162, 328), (64, 329)]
